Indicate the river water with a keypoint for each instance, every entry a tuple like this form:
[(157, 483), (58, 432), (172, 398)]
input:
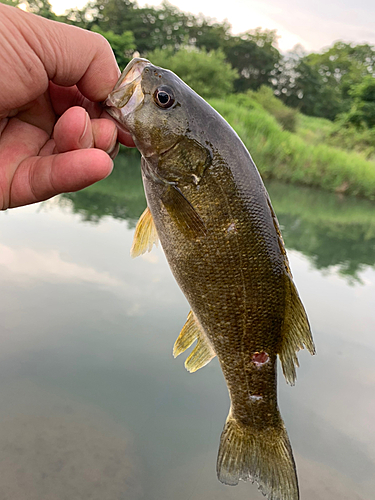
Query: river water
[(93, 405)]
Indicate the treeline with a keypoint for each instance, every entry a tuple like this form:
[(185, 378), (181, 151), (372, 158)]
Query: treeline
[(336, 83)]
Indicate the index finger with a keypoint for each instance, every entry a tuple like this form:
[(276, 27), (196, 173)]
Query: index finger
[(64, 98), (70, 55)]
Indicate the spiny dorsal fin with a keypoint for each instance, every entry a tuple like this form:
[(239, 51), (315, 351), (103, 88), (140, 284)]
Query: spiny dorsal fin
[(296, 334), (145, 235), (279, 236), (202, 353)]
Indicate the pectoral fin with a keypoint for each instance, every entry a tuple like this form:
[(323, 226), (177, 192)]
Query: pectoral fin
[(202, 353), (145, 235), (182, 212), (296, 334)]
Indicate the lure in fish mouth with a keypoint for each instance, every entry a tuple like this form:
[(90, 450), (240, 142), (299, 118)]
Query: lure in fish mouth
[(207, 204)]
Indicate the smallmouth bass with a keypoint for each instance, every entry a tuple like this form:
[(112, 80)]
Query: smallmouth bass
[(207, 204)]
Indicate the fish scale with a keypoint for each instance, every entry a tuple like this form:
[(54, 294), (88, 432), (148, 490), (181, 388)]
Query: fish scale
[(208, 206)]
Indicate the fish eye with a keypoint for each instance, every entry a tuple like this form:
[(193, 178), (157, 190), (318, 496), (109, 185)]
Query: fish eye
[(164, 97)]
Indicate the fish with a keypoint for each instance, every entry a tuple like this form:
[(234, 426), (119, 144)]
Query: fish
[(209, 208)]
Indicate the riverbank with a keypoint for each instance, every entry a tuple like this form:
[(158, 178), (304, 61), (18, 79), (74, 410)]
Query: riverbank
[(296, 157)]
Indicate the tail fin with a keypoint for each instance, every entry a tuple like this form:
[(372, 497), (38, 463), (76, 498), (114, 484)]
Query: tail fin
[(264, 456)]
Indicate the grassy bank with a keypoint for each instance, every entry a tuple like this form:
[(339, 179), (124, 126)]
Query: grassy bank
[(300, 156)]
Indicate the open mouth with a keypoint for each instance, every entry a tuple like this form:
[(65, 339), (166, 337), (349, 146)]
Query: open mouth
[(127, 94)]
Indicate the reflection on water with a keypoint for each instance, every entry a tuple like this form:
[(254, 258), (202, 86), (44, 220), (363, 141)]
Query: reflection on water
[(93, 404), (335, 232), (121, 195), (331, 230)]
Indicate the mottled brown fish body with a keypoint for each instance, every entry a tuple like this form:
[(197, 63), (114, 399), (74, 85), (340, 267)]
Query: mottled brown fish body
[(233, 276), (222, 241)]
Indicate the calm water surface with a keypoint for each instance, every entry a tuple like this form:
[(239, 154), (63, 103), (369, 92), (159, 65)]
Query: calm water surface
[(93, 405)]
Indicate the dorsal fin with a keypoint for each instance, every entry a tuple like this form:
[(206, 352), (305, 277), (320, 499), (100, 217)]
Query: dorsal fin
[(279, 236), (145, 235), (203, 351), (296, 333)]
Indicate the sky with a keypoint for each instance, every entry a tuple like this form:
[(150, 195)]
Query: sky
[(314, 24)]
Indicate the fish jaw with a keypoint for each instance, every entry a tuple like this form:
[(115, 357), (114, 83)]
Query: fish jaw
[(127, 95)]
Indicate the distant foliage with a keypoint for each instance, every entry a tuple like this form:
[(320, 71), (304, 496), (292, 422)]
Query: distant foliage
[(328, 84), (362, 112), (123, 45), (206, 72), (287, 117), (283, 155), (319, 83), (254, 55), (14, 3)]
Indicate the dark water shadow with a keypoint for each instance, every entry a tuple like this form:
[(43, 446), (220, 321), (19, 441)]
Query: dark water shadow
[(336, 233), (120, 196)]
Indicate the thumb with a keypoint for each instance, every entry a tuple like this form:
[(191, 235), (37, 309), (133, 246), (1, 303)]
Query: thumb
[(39, 178)]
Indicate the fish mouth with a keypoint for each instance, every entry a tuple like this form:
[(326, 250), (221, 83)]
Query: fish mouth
[(128, 90)]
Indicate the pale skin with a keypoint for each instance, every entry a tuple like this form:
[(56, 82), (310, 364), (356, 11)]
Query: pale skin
[(54, 135)]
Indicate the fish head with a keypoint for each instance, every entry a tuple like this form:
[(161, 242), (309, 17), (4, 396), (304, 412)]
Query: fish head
[(147, 101), (164, 117)]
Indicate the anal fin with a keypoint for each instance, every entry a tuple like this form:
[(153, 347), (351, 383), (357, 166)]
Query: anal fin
[(202, 352), (145, 235), (296, 334)]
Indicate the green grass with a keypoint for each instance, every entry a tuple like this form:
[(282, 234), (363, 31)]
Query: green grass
[(347, 137), (314, 130), (302, 157)]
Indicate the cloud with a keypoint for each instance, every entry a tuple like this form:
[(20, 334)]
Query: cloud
[(27, 264)]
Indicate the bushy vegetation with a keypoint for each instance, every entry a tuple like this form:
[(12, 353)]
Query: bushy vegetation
[(362, 111), (287, 156), (326, 84), (287, 117), (337, 134), (206, 72), (122, 45), (260, 92)]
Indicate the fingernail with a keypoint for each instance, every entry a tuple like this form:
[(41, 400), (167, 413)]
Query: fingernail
[(114, 151), (86, 140), (114, 147), (109, 173)]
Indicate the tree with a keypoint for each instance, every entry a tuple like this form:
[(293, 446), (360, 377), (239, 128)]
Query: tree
[(13, 3), (255, 57), (305, 88), (206, 72), (39, 7), (208, 34), (83, 18), (153, 28), (362, 112), (122, 45), (319, 83), (344, 64)]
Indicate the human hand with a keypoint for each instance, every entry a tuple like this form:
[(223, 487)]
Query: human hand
[(53, 134)]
